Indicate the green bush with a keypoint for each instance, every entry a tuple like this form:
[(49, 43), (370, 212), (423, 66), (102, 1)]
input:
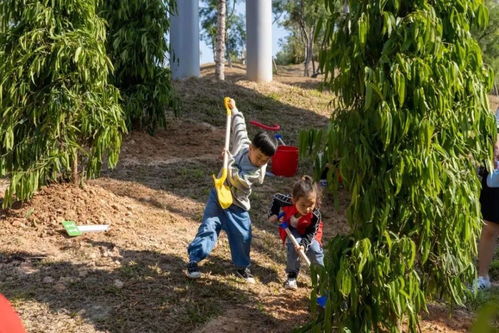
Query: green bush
[(56, 106), (137, 47), (487, 38), (487, 319), (412, 121)]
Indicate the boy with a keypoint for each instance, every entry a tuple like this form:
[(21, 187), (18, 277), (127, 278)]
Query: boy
[(247, 166)]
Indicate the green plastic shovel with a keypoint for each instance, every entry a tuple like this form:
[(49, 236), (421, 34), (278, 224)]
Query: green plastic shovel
[(223, 191)]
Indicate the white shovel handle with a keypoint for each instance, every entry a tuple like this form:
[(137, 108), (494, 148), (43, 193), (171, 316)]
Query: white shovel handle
[(295, 243), (227, 131)]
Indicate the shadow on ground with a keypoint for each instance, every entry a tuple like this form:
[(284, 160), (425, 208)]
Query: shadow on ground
[(152, 285)]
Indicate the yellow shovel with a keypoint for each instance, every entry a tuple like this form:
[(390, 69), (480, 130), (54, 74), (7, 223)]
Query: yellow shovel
[(223, 191)]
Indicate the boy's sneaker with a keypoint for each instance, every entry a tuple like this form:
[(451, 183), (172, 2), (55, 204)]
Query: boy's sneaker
[(482, 283), (193, 270), (245, 273), (291, 284)]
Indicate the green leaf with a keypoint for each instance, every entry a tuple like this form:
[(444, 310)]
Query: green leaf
[(77, 54)]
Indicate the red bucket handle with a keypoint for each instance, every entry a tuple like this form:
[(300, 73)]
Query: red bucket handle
[(274, 127)]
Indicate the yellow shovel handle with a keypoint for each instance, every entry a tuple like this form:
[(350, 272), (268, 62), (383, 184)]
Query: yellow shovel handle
[(226, 103)]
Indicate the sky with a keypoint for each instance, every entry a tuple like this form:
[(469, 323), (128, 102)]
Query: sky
[(277, 33)]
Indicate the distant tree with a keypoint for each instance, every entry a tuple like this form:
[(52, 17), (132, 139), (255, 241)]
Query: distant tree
[(291, 50), (278, 9), (235, 37), (59, 115), (300, 17)]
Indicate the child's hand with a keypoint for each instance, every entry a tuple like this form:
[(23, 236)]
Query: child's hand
[(221, 156), (232, 104), (299, 248), (273, 219)]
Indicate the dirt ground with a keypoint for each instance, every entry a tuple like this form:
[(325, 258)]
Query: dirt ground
[(131, 278)]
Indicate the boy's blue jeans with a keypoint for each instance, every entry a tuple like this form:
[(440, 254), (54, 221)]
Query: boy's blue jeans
[(314, 253), (237, 224)]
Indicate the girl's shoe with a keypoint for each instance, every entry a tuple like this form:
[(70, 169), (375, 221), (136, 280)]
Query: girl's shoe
[(291, 284), (482, 283)]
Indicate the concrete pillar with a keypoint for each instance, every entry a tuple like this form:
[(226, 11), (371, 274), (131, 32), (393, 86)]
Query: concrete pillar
[(259, 40), (184, 40)]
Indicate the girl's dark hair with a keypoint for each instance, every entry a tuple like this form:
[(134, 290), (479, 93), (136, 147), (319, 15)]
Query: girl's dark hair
[(265, 143), (304, 187)]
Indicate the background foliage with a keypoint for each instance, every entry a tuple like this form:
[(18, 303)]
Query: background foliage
[(300, 18), (488, 39), (235, 38)]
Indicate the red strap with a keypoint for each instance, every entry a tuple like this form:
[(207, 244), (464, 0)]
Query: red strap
[(274, 127)]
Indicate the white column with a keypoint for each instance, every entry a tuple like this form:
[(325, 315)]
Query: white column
[(184, 40), (259, 40)]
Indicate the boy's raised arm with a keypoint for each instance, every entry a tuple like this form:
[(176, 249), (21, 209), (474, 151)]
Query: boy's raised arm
[(239, 134)]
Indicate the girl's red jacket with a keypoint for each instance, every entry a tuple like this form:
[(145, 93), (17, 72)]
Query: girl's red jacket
[(309, 226)]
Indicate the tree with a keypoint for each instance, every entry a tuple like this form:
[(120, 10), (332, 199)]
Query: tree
[(235, 39), (137, 47), (488, 39), (412, 122), (291, 50), (220, 47), (301, 19), (235, 29), (56, 106)]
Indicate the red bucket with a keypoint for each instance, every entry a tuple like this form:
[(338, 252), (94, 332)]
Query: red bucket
[(285, 161)]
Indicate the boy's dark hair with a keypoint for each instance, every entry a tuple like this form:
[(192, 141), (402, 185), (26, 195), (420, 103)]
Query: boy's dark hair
[(306, 185), (265, 143)]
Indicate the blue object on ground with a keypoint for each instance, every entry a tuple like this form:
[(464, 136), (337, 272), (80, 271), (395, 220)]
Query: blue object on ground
[(279, 138), (321, 301)]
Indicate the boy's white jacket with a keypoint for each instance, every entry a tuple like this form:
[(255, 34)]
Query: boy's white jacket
[(241, 173)]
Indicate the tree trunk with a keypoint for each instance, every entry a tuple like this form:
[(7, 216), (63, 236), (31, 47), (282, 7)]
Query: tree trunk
[(227, 52), (229, 17), (314, 72), (74, 168), (305, 73), (214, 49), (308, 53), (220, 51), (275, 66), (306, 38)]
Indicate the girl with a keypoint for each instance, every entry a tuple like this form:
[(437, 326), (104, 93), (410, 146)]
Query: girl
[(304, 221)]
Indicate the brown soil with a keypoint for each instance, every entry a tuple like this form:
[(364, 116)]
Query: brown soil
[(131, 278)]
